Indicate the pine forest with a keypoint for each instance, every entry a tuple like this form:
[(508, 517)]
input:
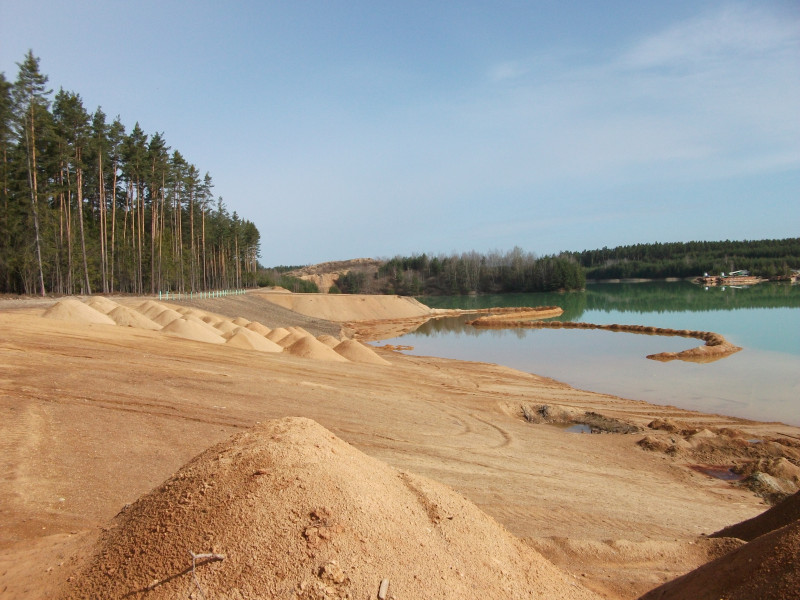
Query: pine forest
[(86, 207)]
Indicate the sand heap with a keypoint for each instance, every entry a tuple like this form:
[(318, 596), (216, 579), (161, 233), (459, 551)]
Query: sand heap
[(127, 317), (307, 346), (245, 338), (75, 311), (767, 567), (298, 513), (780, 515), (359, 353), (104, 305)]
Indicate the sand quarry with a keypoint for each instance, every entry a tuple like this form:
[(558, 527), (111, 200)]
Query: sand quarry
[(257, 447)]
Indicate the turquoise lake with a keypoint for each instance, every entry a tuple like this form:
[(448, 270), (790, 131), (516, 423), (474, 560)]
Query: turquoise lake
[(761, 382)]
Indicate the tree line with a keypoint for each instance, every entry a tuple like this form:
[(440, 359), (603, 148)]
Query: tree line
[(765, 258), (87, 207), (472, 272)]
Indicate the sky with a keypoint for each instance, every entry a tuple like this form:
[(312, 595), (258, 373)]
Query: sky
[(349, 129)]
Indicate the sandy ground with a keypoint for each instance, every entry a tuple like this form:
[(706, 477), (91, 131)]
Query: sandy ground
[(94, 416)]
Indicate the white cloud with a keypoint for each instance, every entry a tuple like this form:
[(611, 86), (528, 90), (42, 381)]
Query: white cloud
[(736, 32)]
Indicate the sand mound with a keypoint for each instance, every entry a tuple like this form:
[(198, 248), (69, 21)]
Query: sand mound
[(226, 326), (359, 353), (329, 340), (241, 321), (779, 515), (167, 316), (75, 311), (277, 334), (298, 513), (258, 328), (192, 331), (104, 305), (151, 308), (765, 568), (290, 339), (244, 338), (309, 347), (127, 317), (298, 329)]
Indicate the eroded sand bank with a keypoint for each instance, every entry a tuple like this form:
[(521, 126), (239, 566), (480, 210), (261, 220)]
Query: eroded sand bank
[(96, 415)]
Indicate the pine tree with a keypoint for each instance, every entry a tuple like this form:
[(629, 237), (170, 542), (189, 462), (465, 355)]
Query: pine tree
[(30, 101), (6, 150)]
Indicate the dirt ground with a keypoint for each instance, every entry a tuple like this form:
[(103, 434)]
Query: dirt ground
[(94, 416)]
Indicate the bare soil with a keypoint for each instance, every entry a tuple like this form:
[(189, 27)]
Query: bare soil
[(94, 416)]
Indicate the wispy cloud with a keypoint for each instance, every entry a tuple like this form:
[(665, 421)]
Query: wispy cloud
[(707, 97)]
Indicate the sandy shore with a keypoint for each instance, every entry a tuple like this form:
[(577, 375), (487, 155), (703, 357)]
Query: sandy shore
[(96, 415)]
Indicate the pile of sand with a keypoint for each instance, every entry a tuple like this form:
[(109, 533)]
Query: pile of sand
[(192, 331), (127, 317), (104, 305), (329, 340), (310, 347), (242, 337), (75, 311), (359, 353), (258, 328), (780, 515), (277, 334), (766, 568), (298, 513), (226, 326), (166, 316), (151, 308), (290, 339)]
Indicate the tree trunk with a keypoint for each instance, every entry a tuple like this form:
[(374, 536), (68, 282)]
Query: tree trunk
[(35, 196), (79, 182)]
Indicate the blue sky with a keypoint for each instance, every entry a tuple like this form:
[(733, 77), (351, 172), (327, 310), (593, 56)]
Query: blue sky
[(370, 129)]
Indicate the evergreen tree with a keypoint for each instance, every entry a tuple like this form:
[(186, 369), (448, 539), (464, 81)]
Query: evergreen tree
[(30, 103)]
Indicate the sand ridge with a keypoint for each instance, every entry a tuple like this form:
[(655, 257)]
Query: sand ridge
[(351, 307)]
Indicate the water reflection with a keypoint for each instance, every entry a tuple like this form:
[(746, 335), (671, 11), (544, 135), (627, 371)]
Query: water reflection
[(761, 382), (647, 297)]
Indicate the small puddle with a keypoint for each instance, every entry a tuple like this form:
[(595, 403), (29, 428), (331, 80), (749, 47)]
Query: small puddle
[(578, 428), (726, 474)]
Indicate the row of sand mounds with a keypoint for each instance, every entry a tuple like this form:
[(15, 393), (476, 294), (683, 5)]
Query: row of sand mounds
[(201, 326), (766, 567), (288, 510)]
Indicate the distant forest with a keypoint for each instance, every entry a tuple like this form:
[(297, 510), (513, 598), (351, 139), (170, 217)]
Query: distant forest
[(519, 271), (87, 207), (514, 271), (765, 258)]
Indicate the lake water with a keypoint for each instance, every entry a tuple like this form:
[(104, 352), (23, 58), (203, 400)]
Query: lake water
[(761, 382)]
